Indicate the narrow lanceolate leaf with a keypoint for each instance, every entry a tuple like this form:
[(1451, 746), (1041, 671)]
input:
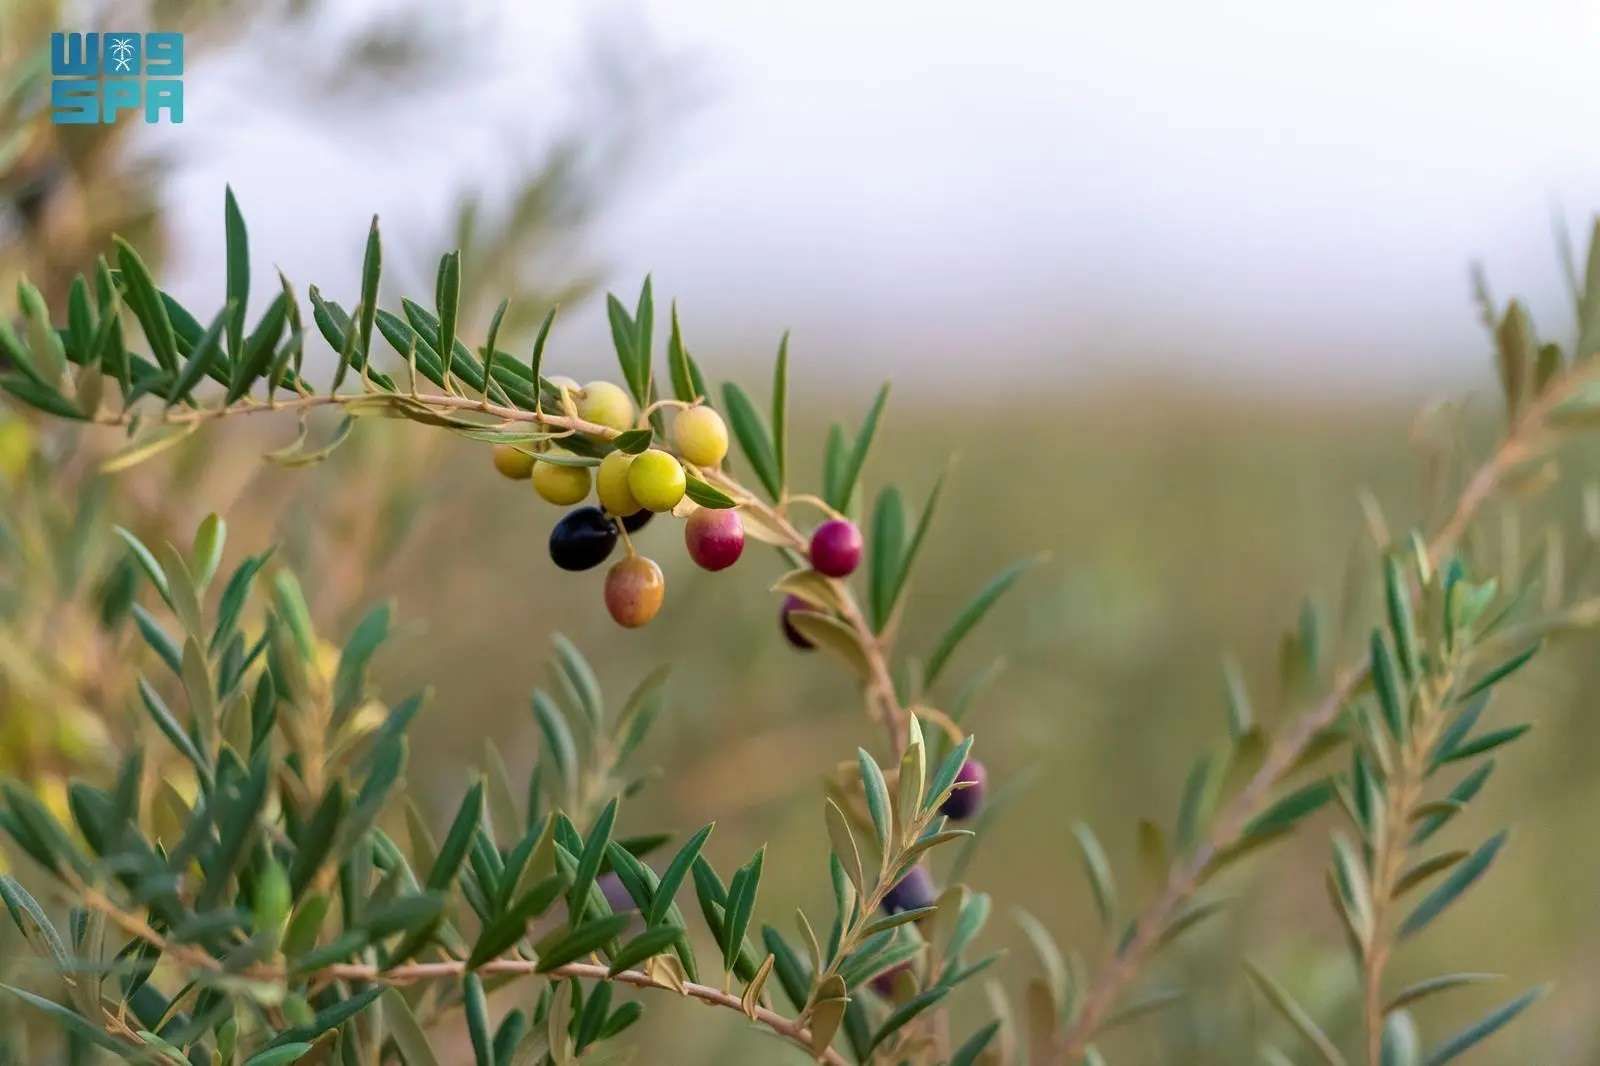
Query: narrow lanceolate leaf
[(200, 359), (1499, 673), (594, 850), (1443, 983), (585, 940), (512, 925), (1397, 599), (844, 846), (780, 411), (851, 464), (969, 617), (754, 439), (371, 269), (1462, 878), (145, 301), (967, 1054), (887, 548), (238, 292), (71, 1021), (877, 795), (741, 906), (447, 298), (1386, 682), (328, 1018), (1480, 1030), (477, 1011), (407, 1031), (646, 945), (672, 878), (1486, 742), (1290, 809), (1296, 1016), (1098, 871), (469, 816)]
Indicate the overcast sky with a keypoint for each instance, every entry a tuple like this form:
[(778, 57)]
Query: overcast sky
[(1251, 188)]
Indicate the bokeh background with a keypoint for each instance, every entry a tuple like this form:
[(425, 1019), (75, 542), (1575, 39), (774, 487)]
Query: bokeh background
[(1172, 283)]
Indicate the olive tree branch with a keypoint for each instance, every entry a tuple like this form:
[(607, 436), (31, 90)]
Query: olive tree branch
[(789, 1028), (1527, 437)]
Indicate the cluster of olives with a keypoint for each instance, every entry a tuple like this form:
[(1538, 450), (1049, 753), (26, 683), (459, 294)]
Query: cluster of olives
[(630, 490)]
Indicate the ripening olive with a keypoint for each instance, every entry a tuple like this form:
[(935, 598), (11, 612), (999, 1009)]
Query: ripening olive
[(912, 892), (791, 605), (964, 802), (513, 462), (561, 484), (606, 404), (836, 548), (701, 436), (582, 539), (634, 590), (656, 480), (611, 485), (884, 983), (715, 538)]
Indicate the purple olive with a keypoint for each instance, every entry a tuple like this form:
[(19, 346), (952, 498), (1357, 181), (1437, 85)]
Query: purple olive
[(836, 548), (793, 635), (616, 894), (912, 892), (637, 520), (884, 983), (964, 802), (582, 539)]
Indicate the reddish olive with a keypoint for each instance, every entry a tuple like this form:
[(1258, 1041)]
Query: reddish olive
[(965, 802), (792, 604), (836, 548), (583, 539), (634, 591), (715, 538)]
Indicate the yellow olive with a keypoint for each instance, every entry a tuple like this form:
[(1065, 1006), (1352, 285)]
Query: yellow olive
[(701, 436), (606, 404), (559, 484), (656, 480), (611, 485), (513, 462)]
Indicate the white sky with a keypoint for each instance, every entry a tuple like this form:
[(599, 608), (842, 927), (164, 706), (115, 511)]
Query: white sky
[(1240, 188)]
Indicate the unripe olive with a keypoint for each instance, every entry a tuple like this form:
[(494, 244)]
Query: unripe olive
[(792, 604), (656, 480), (912, 892), (560, 484), (634, 590), (606, 404), (583, 539), (513, 462), (701, 436), (271, 903), (715, 538), (836, 548), (964, 802), (611, 485)]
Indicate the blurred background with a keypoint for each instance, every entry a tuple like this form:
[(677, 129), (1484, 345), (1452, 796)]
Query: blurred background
[(1171, 281)]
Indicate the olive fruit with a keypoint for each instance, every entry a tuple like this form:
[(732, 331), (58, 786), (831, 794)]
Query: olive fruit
[(656, 480), (606, 404), (513, 462), (560, 484), (793, 635), (637, 520), (634, 589), (701, 436), (618, 898), (964, 802), (715, 538), (611, 485), (912, 892), (884, 983), (583, 539), (836, 548)]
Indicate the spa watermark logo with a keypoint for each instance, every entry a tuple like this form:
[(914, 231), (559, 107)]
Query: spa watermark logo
[(96, 78)]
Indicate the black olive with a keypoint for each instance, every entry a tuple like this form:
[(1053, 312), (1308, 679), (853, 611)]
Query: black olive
[(582, 539), (637, 520)]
